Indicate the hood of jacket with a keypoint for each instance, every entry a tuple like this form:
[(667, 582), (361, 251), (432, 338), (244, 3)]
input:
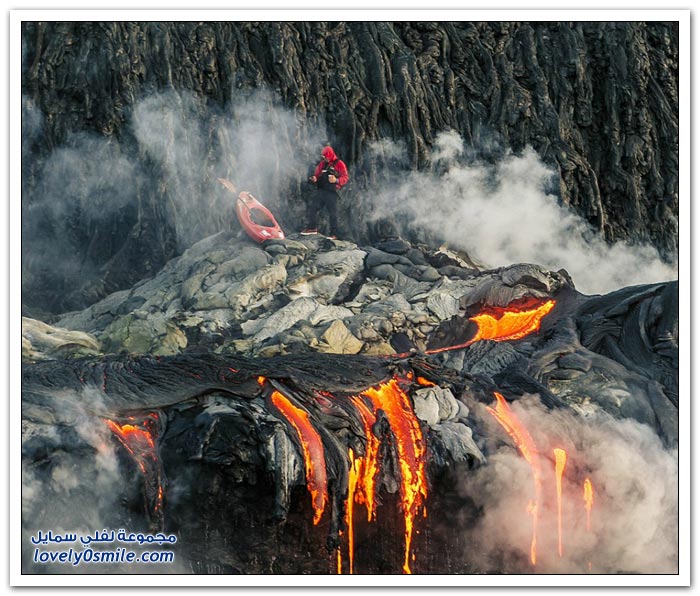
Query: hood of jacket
[(328, 153)]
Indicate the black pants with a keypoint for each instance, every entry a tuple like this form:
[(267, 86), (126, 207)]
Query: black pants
[(328, 200)]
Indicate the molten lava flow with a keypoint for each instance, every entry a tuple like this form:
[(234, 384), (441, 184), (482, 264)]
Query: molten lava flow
[(503, 324), (312, 447), (410, 451), (410, 447), (525, 444), (560, 464), (370, 465), (588, 501), (353, 476), (425, 382), (138, 439), (509, 323), (390, 398)]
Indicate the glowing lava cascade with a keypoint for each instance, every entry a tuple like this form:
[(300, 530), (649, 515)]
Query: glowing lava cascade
[(528, 449), (353, 476), (312, 447), (560, 464), (411, 451), (525, 444), (588, 501), (369, 465), (408, 444), (588, 504), (139, 440)]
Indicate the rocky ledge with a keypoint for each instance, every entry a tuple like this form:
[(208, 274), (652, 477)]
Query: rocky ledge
[(312, 294), (220, 359)]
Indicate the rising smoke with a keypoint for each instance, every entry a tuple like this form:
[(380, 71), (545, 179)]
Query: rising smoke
[(193, 144), (88, 193), (634, 518), (80, 489), (507, 213), (84, 200)]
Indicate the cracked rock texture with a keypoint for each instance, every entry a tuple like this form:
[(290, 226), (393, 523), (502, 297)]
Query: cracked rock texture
[(195, 353), (598, 102)]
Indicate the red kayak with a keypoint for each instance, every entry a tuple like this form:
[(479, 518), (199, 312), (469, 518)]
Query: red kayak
[(254, 217)]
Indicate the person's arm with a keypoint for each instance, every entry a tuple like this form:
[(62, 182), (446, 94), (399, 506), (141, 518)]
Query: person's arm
[(317, 171), (343, 177)]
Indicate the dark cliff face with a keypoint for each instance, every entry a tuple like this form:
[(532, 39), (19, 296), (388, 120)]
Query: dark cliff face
[(597, 101)]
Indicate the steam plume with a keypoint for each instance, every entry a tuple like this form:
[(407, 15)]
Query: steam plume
[(634, 527), (507, 213)]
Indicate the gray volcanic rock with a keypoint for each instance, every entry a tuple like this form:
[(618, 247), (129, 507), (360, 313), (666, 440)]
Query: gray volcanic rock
[(230, 295), (598, 101), (214, 423), (637, 327), (41, 342), (329, 273), (202, 353), (616, 353)]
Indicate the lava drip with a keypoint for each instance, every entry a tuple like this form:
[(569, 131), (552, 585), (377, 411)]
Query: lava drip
[(139, 439), (312, 448), (526, 445), (339, 555), (411, 452), (369, 463), (588, 501), (504, 324), (560, 464), (353, 476), (588, 504)]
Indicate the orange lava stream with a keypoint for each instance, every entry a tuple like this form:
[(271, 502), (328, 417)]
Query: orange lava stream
[(560, 464), (312, 447), (353, 476), (526, 445), (503, 324), (137, 441), (141, 446), (588, 501), (411, 452), (370, 464), (425, 382)]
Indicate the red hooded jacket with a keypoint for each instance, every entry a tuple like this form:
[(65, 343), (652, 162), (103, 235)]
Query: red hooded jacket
[(331, 160)]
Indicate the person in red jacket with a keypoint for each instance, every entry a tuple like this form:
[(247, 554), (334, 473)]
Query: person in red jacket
[(330, 175)]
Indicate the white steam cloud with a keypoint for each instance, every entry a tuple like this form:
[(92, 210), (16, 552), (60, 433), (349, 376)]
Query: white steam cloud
[(389, 150), (248, 142), (178, 146), (634, 518), (504, 213), (78, 490), (501, 214)]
